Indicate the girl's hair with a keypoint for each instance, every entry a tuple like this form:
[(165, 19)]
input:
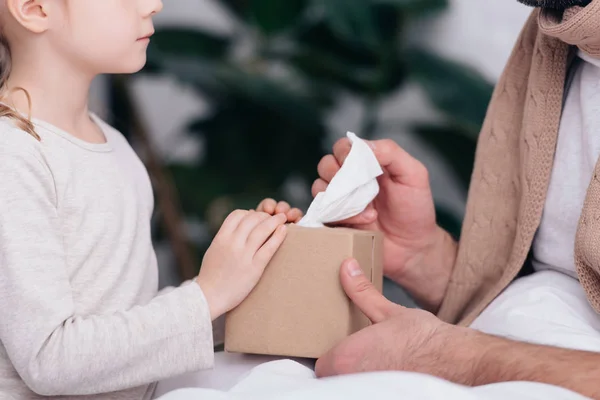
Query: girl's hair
[(5, 110)]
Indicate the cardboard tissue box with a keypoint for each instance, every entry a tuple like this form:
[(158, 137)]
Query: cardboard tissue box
[(299, 308)]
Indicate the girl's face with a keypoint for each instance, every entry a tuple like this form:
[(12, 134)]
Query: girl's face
[(104, 36)]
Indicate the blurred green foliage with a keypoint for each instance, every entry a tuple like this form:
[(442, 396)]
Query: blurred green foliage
[(271, 83)]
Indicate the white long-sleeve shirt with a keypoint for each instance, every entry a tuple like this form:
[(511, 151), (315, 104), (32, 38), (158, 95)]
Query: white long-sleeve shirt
[(79, 309)]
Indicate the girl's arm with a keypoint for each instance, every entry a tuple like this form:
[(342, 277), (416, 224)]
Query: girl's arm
[(55, 350)]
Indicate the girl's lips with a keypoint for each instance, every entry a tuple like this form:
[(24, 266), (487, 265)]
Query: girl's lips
[(147, 37)]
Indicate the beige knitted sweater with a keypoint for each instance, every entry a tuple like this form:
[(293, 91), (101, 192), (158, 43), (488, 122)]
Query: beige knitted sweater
[(513, 164)]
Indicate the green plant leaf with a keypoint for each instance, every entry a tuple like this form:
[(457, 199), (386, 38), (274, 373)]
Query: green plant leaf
[(239, 8), (455, 89), (197, 187), (186, 42), (380, 79), (318, 35), (454, 145), (342, 62), (416, 7), (255, 148), (273, 16), (448, 221), (223, 80), (352, 20)]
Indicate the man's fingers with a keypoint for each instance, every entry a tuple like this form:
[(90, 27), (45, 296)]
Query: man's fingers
[(318, 186), (401, 166), (367, 217), (338, 361), (362, 293), (328, 167), (341, 149)]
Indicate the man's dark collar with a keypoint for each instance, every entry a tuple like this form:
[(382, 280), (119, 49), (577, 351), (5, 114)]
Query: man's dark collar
[(556, 4)]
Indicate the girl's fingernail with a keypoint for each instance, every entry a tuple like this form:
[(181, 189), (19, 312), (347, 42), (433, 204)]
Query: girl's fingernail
[(354, 269)]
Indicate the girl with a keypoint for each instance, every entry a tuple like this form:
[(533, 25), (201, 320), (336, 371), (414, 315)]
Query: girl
[(79, 309)]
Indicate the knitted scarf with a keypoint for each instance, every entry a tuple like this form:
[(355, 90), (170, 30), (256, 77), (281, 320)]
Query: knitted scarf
[(513, 165)]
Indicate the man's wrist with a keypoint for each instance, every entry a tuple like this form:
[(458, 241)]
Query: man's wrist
[(426, 276), (459, 351)]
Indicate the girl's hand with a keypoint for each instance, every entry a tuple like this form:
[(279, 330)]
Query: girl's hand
[(273, 207), (237, 257)]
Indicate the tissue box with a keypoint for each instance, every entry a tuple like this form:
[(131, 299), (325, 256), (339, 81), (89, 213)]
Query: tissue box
[(299, 308)]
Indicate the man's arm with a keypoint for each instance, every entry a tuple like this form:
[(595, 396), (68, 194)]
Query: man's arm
[(497, 359)]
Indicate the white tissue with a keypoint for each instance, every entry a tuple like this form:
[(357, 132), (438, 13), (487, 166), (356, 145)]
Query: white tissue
[(351, 189)]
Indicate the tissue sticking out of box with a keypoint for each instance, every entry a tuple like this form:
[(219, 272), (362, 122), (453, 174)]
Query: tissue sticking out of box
[(351, 189)]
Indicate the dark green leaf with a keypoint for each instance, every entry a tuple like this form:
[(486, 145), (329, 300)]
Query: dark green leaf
[(351, 20), (380, 79), (352, 65), (186, 42), (459, 91), (198, 72), (239, 8), (273, 16), (454, 145), (416, 7), (224, 80), (256, 149), (447, 220), (319, 36), (197, 187)]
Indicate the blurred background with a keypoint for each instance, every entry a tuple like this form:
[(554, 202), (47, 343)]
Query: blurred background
[(241, 98)]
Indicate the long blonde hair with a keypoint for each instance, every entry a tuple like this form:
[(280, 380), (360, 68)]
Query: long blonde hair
[(5, 110)]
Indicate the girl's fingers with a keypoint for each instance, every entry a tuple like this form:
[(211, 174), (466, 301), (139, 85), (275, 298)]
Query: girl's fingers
[(294, 215), (260, 234), (267, 251), (268, 206), (282, 207), (247, 225), (232, 221)]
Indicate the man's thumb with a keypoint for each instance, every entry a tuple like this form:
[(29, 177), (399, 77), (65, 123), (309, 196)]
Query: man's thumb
[(362, 292)]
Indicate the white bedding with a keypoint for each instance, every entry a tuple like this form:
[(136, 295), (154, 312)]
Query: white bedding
[(547, 308)]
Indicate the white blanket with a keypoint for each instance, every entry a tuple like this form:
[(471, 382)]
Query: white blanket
[(547, 308)]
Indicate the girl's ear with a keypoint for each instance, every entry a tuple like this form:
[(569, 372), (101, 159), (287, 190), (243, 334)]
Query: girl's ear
[(31, 14)]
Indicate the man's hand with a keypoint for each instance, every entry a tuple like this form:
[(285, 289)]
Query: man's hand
[(413, 340), (418, 254), (400, 339)]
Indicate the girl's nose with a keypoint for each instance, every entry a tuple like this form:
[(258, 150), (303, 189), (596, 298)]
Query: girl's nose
[(153, 7)]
